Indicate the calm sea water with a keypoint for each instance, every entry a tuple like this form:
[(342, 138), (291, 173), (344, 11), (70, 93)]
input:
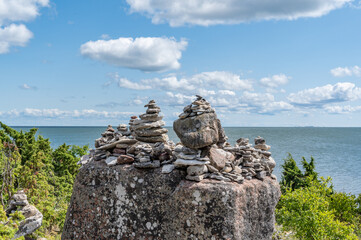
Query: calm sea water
[(337, 151)]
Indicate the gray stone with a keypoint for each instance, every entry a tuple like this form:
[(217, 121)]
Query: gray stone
[(196, 170), (130, 203), (168, 168), (261, 175), (182, 162), (111, 161), (155, 139), (185, 156), (154, 164), (148, 125), (151, 132), (196, 178), (121, 141), (192, 137)]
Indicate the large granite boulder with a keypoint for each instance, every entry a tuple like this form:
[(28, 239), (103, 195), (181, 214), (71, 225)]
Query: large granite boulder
[(123, 202), (197, 132)]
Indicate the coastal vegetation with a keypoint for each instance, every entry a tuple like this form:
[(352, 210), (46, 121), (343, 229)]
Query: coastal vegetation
[(309, 207), (28, 162)]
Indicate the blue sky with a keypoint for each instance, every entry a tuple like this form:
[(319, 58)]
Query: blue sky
[(287, 63)]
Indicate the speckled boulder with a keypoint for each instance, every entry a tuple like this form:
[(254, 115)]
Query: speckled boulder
[(122, 202), (198, 131)]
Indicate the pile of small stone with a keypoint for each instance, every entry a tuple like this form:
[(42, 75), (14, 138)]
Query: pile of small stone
[(33, 217), (122, 130), (107, 136), (144, 157), (112, 147), (131, 123), (149, 128), (198, 107), (254, 161), (192, 160)]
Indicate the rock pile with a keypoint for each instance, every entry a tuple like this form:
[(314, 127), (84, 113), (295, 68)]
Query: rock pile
[(198, 125), (33, 217), (254, 161), (149, 128), (122, 130), (203, 151), (191, 160)]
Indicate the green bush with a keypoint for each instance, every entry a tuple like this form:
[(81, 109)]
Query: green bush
[(28, 162), (311, 208)]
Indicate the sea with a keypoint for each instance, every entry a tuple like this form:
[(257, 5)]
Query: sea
[(337, 151)]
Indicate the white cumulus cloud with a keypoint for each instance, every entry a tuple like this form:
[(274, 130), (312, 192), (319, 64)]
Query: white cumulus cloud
[(319, 96), (205, 83), (212, 12), (342, 109), (144, 53), (275, 80), (346, 71), (125, 83), (13, 34)]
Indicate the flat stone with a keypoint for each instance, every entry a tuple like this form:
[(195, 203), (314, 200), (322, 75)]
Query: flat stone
[(197, 170), (122, 146), (155, 139), (119, 150), (182, 162), (263, 147), (124, 159), (152, 132), (212, 169), (219, 177), (153, 110), (195, 178), (121, 141), (186, 156), (111, 161), (149, 125), (154, 164), (151, 117), (168, 168)]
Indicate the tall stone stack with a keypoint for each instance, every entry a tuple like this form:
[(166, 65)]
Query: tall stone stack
[(149, 128)]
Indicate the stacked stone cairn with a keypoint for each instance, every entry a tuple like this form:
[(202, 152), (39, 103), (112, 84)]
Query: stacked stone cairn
[(198, 107), (153, 139), (203, 152), (191, 159), (253, 161), (112, 146), (149, 128), (33, 217)]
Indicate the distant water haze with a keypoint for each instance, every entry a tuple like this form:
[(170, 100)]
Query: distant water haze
[(337, 151)]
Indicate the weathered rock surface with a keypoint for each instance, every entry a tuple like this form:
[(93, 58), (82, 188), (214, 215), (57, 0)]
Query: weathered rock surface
[(124, 202), (198, 131)]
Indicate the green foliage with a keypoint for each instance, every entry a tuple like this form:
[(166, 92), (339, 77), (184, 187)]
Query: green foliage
[(292, 176), (9, 226), (46, 175), (311, 208)]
